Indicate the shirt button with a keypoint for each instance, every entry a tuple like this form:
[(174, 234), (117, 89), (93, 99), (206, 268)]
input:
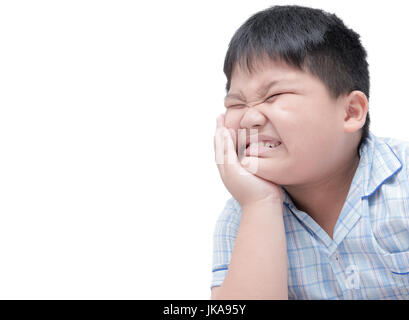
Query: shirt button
[(336, 256)]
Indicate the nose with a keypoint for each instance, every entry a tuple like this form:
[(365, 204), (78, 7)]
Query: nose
[(252, 118)]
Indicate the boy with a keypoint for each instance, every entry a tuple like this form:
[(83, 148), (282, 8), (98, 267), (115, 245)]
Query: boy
[(325, 215)]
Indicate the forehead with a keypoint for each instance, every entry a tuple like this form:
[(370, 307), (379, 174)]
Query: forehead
[(262, 75), (264, 70)]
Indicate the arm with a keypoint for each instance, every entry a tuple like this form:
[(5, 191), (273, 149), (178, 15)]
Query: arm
[(258, 267)]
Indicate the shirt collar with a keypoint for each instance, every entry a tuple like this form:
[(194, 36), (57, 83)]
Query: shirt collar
[(378, 162)]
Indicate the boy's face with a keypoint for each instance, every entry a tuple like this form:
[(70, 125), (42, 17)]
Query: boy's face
[(307, 121)]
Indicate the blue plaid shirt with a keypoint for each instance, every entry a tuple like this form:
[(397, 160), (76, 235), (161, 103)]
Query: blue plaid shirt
[(368, 257)]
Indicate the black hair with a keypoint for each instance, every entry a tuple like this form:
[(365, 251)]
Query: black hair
[(309, 39)]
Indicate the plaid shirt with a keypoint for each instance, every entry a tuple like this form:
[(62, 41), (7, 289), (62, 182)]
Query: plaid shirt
[(368, 257)]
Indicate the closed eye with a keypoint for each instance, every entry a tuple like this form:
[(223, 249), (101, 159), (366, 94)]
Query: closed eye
[(236, 106), (274, 95), (242, 105)]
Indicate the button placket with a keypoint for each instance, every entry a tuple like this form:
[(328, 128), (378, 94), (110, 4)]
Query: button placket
[(338, 269), (347, 276)]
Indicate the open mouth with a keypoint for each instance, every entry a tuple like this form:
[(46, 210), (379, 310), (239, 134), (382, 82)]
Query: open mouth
[(266, 144)]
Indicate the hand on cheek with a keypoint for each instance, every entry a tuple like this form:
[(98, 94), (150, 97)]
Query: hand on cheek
[(240, 181)]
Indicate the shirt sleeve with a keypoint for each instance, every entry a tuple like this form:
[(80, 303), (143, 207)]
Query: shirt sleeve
[(224, 238)]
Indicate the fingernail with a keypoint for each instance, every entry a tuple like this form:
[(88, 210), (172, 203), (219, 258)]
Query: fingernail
[(218, 121), (245, 162)]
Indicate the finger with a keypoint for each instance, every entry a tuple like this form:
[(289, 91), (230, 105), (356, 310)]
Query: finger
[(219, 146), (241, 143), (219, 121), (230, 156), (219, 127), (233, 137), (222, 119)]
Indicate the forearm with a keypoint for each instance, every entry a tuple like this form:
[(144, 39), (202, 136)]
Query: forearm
[(258, 267)]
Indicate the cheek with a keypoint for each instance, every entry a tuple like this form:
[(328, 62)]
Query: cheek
[(305, 120), (301, 131), (318, 128)]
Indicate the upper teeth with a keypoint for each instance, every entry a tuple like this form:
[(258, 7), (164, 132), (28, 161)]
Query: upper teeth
[(265, 144)]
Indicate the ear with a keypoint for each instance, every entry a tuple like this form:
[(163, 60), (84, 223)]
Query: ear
[(356, 109)]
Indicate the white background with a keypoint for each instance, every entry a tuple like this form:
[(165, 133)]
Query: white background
[(108, 186)]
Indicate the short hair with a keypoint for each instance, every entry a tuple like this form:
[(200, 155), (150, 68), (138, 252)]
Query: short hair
[(306, 38)]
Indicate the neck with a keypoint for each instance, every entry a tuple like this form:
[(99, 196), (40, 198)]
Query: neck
[(323, 200)]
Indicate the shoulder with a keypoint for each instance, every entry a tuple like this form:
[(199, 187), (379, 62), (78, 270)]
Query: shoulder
[(400, 149), (396, 144), (384, 162)]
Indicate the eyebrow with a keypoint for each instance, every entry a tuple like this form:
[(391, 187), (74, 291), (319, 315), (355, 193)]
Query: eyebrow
[(261, 92)]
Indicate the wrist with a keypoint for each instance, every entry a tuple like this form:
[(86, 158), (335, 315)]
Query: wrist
[(264, 203)]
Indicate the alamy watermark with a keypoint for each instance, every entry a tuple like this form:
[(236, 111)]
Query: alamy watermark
[(238, 151)]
